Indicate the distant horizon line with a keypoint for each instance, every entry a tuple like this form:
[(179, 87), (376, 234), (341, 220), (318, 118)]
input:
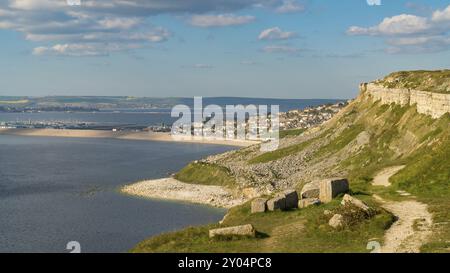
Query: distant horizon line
[(158, 97)]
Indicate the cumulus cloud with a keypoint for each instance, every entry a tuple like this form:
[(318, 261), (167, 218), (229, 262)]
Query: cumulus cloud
[(442, 15), (406, 33), (221, 20), (290, 6), (276, 33), (396, 25), (99, 27)]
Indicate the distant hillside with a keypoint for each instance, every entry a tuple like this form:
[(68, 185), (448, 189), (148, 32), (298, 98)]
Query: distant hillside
[(359, 142)]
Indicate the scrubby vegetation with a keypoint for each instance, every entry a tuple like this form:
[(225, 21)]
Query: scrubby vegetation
[(433, 81), (280, 153), (206, 174), (304, 230), (291, 132), (392, 135)]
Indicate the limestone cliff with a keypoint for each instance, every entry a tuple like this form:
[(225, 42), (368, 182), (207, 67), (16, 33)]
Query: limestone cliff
[(428, 103)]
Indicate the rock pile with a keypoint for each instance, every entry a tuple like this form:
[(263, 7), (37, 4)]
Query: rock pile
[(352, 211), (282, 201), (312, 193)]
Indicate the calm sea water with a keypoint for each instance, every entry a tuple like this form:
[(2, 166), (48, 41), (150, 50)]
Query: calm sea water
[(56, 190), (153, 116)]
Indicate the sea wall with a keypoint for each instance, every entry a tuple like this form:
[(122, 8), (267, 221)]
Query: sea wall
[(429, 103)]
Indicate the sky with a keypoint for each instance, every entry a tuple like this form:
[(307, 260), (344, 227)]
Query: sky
[(245, 48)]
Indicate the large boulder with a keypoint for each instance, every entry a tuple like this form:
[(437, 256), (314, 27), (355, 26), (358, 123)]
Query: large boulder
[(310, 190), (245, 230), (304, 203), (278, 202), (291, 197), (259, 205), (336, 221), (330, 188), (350, 200)]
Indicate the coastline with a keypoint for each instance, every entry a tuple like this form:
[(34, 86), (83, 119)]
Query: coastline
[(145, 136), (172, 189)]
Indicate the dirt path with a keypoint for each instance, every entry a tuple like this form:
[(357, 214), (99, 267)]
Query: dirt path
[(382, 178), (414, 222)]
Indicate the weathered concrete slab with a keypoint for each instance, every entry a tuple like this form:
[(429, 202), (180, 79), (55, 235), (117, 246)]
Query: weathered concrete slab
[(330, 188), (245, 230), (291, 199), (259, 205), (310, 190), (278, 202)]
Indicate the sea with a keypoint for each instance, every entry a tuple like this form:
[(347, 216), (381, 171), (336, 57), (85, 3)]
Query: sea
[(54, 191)]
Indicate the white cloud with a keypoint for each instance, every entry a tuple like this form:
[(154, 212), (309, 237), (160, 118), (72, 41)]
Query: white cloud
[(99, 27), (280, 49), (221, 20), (276, 33), (406, 33), (82, 50), (119, 23), (290, 6), (400, 24), (441, 15)]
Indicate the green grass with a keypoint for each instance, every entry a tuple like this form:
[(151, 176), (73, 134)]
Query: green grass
[(347, 136), (399, 136), (280, 153), (291, 133), (304, 230), (432, 81), (206, 174)]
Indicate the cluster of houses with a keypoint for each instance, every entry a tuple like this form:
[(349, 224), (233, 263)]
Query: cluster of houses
[(309, 117)]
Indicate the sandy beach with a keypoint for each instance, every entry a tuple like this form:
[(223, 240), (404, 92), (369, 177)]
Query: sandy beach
[(172, 189), (146, 136)]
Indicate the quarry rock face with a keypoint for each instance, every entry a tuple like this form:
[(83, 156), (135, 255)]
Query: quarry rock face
[(245, 230), (330, 188), (259, 205), (428, 103)]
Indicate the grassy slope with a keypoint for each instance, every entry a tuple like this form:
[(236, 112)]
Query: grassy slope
[(398, 136), (433, 81), (293, 231), (206, 174)]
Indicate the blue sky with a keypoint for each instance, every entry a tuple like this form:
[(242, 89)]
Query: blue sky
[(251, 48)]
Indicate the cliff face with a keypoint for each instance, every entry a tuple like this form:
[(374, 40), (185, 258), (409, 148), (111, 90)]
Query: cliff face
[(428, 103)]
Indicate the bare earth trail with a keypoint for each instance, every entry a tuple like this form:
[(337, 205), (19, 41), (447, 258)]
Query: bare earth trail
[(414, 222)]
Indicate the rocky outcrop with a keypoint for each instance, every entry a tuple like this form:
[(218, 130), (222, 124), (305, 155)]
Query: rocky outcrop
[(428, 103)]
